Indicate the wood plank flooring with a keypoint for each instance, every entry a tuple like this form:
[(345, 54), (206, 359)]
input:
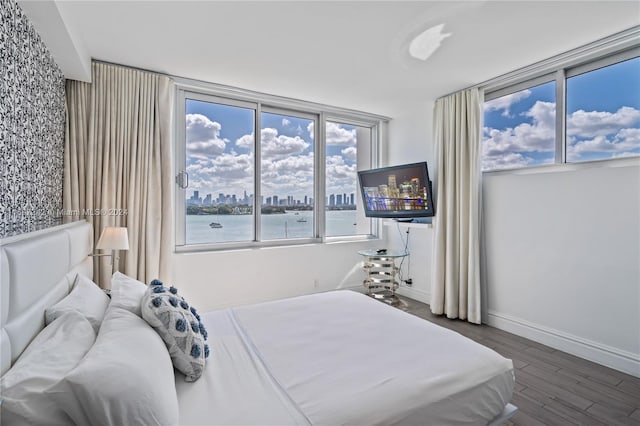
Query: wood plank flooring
[(552, 387)]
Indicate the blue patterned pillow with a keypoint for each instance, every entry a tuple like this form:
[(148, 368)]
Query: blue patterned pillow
[(179, 326)]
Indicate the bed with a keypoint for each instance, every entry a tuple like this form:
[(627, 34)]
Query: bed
[(331, 358)]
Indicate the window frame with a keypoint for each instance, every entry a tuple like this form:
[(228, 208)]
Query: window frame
[(259, 102), (618, 48), (374, 223)]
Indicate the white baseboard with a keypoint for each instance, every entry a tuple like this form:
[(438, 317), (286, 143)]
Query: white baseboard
[(415, 294), (608, 356)]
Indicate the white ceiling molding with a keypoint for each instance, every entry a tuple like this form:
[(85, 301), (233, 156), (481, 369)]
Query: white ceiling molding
[(68, 51)]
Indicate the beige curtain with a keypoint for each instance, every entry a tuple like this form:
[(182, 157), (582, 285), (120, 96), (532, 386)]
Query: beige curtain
[(455, 286), (117, 169)]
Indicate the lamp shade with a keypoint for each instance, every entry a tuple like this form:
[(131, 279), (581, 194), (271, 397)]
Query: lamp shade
[(113, 238)]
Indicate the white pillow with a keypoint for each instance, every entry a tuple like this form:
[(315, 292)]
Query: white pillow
[(127, 292), (55, 351), (86, 298), (179, 326), (126, 377)]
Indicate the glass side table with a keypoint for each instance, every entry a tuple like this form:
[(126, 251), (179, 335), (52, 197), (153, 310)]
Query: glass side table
[(381, 271)]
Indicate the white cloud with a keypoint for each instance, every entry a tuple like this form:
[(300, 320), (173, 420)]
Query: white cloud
[(591, 132), (504, 148), (227, 173), (274, 145), (600, 123), (504, 103), (310, 130), (286, 122), (245, 141), (341, 177), (507, 161), (292, 175), (350, 153), (623, 143), (338, 135), (203, 137)]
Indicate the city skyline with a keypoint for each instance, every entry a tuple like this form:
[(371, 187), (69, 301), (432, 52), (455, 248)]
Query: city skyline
[(274, 200), (220, 147)]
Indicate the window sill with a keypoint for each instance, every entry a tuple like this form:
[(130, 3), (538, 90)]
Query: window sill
[(228, 247), (567, 167)]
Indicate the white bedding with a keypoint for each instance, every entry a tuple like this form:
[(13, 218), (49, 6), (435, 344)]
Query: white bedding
[(341, 358)]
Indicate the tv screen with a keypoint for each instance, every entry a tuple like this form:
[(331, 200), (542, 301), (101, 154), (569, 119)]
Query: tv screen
[(397, 192)]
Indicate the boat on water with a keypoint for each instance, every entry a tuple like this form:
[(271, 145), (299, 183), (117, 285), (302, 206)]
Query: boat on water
[(302, 219), (215, 225)]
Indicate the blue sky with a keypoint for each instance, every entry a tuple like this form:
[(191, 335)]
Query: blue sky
[(603, 120), (220, 153)]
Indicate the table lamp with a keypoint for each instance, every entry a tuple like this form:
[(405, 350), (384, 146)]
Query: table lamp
[(114, 239)]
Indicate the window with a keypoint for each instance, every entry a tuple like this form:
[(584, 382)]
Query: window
[(220, 163), (236, 191), (583, 113), (520, 128), (603, 112), (348, 150), (287, 169)]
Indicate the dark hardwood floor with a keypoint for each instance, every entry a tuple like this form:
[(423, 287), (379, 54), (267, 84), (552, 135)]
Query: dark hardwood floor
[(552, 387)]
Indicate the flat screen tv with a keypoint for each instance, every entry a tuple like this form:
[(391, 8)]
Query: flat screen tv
[(397, 192)]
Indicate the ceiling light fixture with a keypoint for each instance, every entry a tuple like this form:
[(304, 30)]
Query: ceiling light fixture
[(424, 44)]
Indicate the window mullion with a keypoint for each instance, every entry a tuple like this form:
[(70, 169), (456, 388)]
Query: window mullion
[(561, 125), (180, 166), (257, 152), (320, 189)]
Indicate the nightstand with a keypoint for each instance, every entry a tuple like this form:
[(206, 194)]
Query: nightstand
[(380, 267)]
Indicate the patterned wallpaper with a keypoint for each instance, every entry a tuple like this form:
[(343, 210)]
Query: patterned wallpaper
[(32, 120)]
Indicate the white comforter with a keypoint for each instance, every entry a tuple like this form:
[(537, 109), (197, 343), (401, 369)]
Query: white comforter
[(341, 358)]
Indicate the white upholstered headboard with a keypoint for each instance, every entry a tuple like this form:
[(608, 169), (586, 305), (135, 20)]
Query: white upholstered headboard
[(36, 271)]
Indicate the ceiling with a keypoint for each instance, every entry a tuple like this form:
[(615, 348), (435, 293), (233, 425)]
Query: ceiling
[(352, 54)]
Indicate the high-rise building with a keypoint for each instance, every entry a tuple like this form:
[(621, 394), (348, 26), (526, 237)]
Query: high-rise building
[(332, 200), (275, 200), (352, 199), (415, 186), (339, 200), (195, 199), (394, 192)]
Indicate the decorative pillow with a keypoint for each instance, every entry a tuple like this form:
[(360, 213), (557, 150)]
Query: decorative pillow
[(86, 298), (127, 292), (179, 326), (55, 351), (125, 379)]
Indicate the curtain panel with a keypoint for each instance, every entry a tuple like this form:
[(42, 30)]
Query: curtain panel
[(117, 165), (455, 285)]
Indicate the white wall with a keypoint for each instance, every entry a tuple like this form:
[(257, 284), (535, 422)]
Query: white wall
[(410, 141), (237, 277), (563, 258), (417, 265)]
